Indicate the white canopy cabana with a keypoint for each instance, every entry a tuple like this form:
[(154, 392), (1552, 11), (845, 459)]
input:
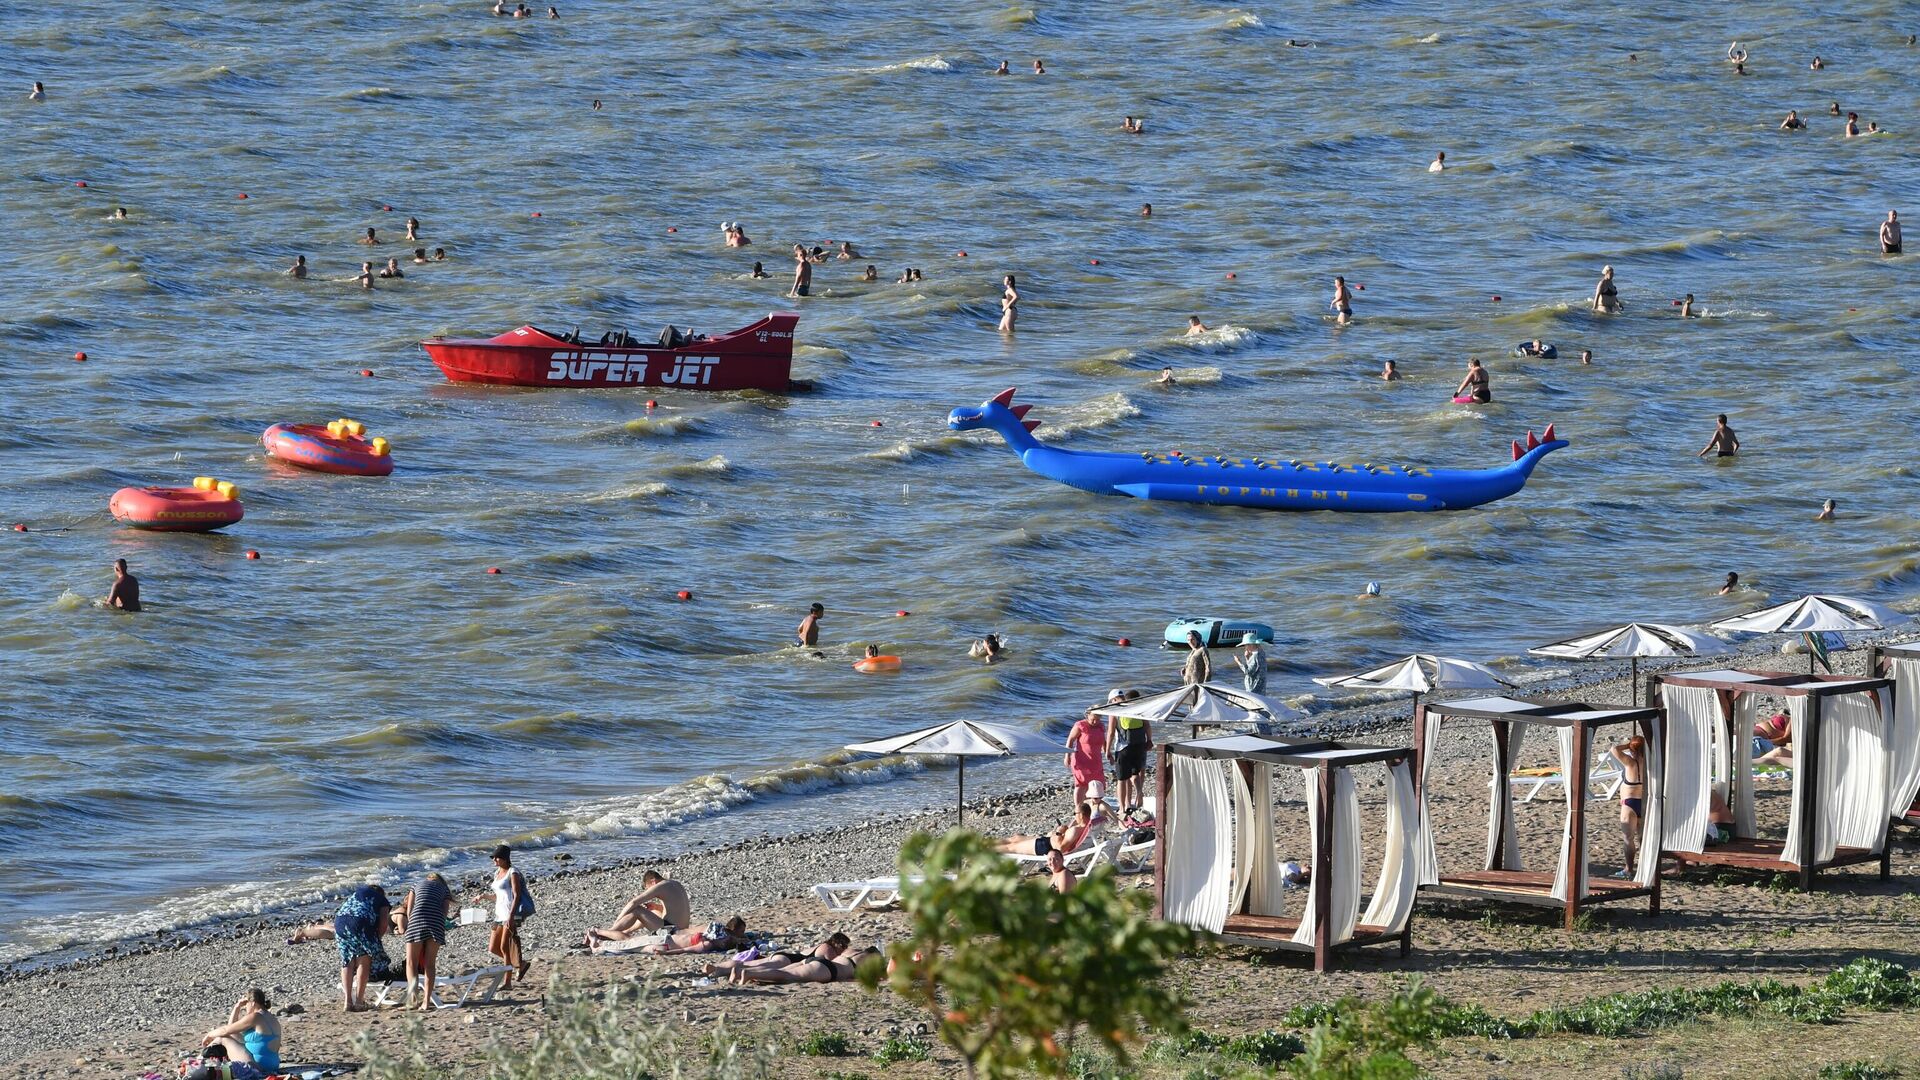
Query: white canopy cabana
[(1217, 866), (1202, 705), (1901, 663), (1634, 640), (961, 740), (1815, 613)]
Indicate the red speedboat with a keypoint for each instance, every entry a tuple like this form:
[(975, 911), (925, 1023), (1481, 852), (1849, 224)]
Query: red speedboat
[(756, 357)]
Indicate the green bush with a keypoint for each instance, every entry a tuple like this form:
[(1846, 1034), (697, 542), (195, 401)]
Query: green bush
[(825, 1044), (903, 1048), (1369, 1041), (1858, 1070)]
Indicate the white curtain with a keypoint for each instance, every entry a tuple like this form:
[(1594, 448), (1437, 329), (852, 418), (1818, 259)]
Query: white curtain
[(1746, 709), (1574, 791), (1343, 882), (1692, 714), (1503, 843), (1652, 808), (1198, 842), (1393, 893), (1426, 858), (1797, 718), (1850, 790), (1905, 736), (1257, 863)]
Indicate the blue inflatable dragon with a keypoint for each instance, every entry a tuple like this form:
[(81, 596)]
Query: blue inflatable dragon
[(1256, 482)]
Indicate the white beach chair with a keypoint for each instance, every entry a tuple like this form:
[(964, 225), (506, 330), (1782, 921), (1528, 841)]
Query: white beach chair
[(1603, 780), (874, 893), (451, 991)]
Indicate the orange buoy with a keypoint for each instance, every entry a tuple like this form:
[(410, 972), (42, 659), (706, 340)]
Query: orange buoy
[(652, 404), (1496, 299), (672, 229), (684, 594), (252, 554), (388, 209), (1093, 262), (79, 183), (877, 423), (493, 569), (79, 358), (874, 664), (242, 195), (536, 213), (1124, 642), (959, 254), (366, 372), (1231, 275), (20, 527), (902, 613)]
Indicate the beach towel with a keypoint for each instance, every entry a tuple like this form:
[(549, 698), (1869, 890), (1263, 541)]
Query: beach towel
[(1200, 864), (1393, 892), (1693, 712), (1503, 844), (1850, 784), (1343, 862), (1258, 880), (1904, 734)]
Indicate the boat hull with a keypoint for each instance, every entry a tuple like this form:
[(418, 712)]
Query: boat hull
[(755, 357)]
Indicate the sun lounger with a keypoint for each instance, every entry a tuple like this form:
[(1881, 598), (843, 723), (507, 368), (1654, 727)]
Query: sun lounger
[(452, 991), (1603, 780), (853, 895), (1114, 851)]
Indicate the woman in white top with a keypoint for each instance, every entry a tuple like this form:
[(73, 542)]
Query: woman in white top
[(508, 888)]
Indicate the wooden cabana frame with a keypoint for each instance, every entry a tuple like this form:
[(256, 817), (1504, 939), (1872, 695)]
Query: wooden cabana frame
[(1321, 757), (1530, 887), (1880, 660), (1752, 852)]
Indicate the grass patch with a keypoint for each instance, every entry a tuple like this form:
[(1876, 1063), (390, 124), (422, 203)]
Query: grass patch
[(1859, 1070), (825, 1044), (903, 1048)]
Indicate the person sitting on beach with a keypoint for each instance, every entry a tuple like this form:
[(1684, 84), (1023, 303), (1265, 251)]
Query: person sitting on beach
[(392, 269), (251, 1035), (1195, 326), (842, 968), (1389, 372), (1067, 838), (661, 905), (1059, 878), (1633, 793), (824, 953), (714, 937), (1477, 387), (1773, 740), (124, 594), (1793, 122), (420, 257), (987, 648), (298, 271), (1724, 442)]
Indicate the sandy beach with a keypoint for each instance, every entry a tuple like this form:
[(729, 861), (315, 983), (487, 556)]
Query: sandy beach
[(139, 1005)]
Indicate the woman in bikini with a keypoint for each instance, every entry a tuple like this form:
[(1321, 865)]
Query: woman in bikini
[(1606, 295), (824, 953), (813, 969), (1633, 791), (1476, 385)]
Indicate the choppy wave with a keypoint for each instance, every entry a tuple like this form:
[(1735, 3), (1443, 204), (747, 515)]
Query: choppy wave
[(935, 62)]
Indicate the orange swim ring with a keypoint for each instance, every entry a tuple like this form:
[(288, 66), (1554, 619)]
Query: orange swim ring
[(873, 664)]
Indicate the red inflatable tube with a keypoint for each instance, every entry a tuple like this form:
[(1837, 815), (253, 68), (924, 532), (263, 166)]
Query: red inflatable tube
[(311, 446), (172, 509)]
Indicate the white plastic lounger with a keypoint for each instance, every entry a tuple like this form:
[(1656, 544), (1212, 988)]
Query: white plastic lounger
[(1603, 780), (451, 991), (1113, 851), (854, 895)]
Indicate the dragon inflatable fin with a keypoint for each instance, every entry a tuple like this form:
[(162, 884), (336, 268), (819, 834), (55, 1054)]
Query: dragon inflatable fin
[(1531, 441), (1029, 424), (1004, 397), (1517, 452), (1020, 411), (1547, 435)]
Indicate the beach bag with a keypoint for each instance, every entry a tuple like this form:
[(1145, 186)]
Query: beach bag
[(525, 907)]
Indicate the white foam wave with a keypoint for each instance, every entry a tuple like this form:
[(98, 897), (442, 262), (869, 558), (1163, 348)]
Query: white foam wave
[(1102, 412), (936, 62), (1223, 338)]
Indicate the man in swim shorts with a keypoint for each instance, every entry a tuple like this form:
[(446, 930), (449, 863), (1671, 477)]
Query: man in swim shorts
[(125, 593), (1129, 757), (1890, 234), (1724, 442), (1342, 302), (802, 272), (809, 629)]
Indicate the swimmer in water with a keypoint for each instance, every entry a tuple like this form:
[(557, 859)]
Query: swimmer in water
[(1439, 162), (1195, 326), (1389, 373), (1166, 377), (1873, 127), (1002, 69), (370, 238), (846, 252), (802, 272), (124, 595), (553, 12), (298, 271), (1146, 209), (1890, 234), (1818, 64), (1826, 511), (1009, 304), (1606, 297), (1736, 54), (420, 257), (988, 649), (413, 228), (1371, 592), (760, 272), (1739, 67), (1853, 124), (366, 275), (809, 629), (1586, 356), (736, 235), (500, 7), (439, 254), (1342, 302), (872, 273), (119, 213), (1477, 386), (1724, 442), (1039, 68), (392, 269), (1686, 308), (1733, 582), (596, 104), (38, 93), (1793, 122), (915, 272)]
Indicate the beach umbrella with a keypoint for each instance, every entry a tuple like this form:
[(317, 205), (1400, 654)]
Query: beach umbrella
[(1201, 704), (1633, 641), (963, 739), (1815, 614), (1421, 673)]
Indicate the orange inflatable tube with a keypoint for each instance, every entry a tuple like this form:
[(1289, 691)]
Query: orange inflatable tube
[(874, 664), (176, 509)]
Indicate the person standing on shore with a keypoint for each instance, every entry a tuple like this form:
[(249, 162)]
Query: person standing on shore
[(1199, 666), (1086, 761), (809, 629), (1724, 442), (426, 913), (362, 920), (1252, 662), (125, 591), (1129, 758), (1606, 296), (511, 904), (1890, 234), (1633, 791), (1009, 304)]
